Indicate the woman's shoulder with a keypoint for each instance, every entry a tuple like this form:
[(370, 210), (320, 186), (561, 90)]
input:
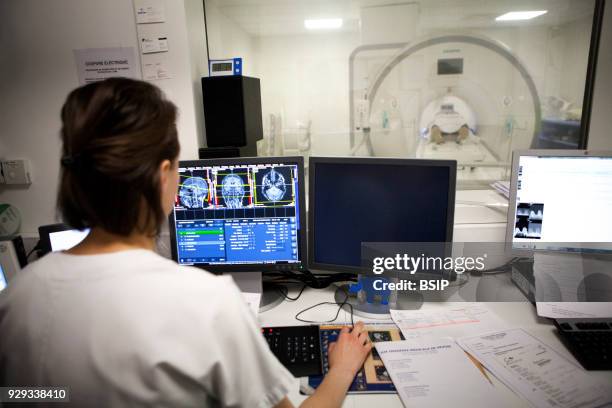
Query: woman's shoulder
[(131, 265)]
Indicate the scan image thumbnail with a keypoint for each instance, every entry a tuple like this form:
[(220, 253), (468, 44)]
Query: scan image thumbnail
[(193, 192), (274, 186), (529, 217), (234, 186)]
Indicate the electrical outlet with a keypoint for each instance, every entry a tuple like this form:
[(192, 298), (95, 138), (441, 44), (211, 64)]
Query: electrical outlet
[(16, 172)]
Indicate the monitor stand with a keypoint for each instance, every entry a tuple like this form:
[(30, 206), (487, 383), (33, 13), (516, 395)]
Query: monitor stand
[(251, 283), (405, 301)]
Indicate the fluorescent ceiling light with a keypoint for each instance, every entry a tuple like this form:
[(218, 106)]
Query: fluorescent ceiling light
[(323, 23), (520, 15)]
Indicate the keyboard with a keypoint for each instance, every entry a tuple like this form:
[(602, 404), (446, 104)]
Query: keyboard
[(589, 340), (297, 347)]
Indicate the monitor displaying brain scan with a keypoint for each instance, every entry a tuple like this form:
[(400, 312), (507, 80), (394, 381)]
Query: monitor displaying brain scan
[(237, 213), (193, 192), (233, 188)]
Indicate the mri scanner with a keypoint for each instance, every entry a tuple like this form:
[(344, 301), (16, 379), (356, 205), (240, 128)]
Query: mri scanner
[(463, 97)]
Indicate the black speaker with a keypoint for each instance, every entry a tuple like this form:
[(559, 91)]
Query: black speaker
[(232, 111)]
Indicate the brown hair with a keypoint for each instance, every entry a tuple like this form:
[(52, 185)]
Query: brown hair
[(115, 135)]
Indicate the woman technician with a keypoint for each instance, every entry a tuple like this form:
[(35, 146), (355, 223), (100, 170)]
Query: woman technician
[(113, 321)]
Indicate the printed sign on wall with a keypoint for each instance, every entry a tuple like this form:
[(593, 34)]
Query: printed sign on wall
[(96, 64)]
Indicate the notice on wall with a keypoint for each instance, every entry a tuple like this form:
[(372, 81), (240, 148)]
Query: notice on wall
[(152, 71), (96, 64), (153, 43), (149, 11)]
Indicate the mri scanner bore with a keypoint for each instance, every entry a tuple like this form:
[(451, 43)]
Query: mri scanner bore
[(443, 97)]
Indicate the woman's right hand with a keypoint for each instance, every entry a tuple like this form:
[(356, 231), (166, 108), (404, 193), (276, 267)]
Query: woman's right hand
[(347, 354)]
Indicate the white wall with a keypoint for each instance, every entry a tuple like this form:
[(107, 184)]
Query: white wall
[(226, 39), (600, 134), (37, 71), (196, 34), (305, 77)]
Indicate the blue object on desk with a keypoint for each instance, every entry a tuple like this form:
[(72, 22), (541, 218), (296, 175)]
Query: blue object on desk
[(365, 285)]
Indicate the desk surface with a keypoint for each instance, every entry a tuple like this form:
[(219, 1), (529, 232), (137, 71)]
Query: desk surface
[(474, 222), (515, 314)]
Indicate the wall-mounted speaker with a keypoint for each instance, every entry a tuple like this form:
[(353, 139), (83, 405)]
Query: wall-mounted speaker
[(232, 111)]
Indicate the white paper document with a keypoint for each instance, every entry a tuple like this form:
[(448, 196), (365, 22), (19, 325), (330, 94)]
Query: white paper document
[(452, 320), (96, 64), (155, 70), (149, 11), (438, 374), (153, 43), (572, 278), (535, 371), (561, 310)]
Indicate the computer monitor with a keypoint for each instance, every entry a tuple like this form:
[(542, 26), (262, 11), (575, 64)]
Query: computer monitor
[(240, 214), (357, 200), (560, 200), (59, 237), (3, 280)]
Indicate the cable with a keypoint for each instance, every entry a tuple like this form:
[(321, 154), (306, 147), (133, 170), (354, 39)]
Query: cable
[(340, 306), (285, 292), (459, 282)]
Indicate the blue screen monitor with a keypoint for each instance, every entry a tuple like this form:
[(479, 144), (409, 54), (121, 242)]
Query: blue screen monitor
[(358, 200), (246, 214)]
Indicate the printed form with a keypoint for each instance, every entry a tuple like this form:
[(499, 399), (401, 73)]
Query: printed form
[(535, 371), (438, 374), (453, 320)]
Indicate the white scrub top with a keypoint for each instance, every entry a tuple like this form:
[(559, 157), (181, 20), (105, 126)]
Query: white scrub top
[(134, 329)]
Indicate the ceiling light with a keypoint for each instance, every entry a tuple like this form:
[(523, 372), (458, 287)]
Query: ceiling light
[(323, 23), (520, 15)]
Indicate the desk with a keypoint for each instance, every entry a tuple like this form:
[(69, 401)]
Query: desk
[(474, 222), (515, 314)]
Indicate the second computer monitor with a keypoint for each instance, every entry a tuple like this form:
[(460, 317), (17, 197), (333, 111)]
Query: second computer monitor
[(560, 200), (234, 215), (356, 200)]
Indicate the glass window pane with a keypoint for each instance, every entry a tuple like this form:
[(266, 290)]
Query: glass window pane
[(469, 80)]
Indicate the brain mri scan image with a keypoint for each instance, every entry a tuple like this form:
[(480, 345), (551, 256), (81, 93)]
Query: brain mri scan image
[(232, 191), (193, 192), (273, 186)]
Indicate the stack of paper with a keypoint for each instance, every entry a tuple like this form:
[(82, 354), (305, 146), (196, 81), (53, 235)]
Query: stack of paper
[(435, 375), (535, 371), (565, 310)]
